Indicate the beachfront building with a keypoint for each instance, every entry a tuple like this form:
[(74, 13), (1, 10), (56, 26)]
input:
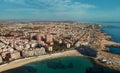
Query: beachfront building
[(41, 51), (1, 60), (68, 45), (25, 53), (30, 53), (15, 55), (34, 52), (77, 44), (50, 48)]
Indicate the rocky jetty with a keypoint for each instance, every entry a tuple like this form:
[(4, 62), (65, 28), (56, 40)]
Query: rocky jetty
[(105, 43)]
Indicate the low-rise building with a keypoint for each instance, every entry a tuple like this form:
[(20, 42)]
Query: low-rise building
[(15, 55), (26, 46), (30, 53), (1, 60), (68, 45), (50, 48)]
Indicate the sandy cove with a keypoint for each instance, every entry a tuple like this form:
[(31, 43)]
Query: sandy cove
[(21, 62)]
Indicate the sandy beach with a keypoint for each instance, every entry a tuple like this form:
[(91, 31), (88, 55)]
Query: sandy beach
[(21, 62)]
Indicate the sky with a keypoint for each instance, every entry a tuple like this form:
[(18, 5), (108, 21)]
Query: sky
[(60, 10)]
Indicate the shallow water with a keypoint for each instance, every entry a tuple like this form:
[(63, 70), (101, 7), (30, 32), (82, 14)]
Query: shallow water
[(62, 65)]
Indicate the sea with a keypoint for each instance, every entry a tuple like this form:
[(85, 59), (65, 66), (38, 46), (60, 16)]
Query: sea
[(113, 29), (74, 64)]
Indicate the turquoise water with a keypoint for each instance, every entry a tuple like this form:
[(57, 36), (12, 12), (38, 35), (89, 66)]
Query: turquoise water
[(62, 65), (59, 65)]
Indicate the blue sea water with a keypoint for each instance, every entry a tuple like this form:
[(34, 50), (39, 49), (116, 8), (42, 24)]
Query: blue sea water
[(113, 29)]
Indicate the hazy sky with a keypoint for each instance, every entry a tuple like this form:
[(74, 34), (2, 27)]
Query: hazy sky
[(54, 10)]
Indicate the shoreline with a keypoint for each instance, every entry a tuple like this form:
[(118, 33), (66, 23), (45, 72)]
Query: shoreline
[(21, 62), (104, 41), (110, 67), (113, 67)]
